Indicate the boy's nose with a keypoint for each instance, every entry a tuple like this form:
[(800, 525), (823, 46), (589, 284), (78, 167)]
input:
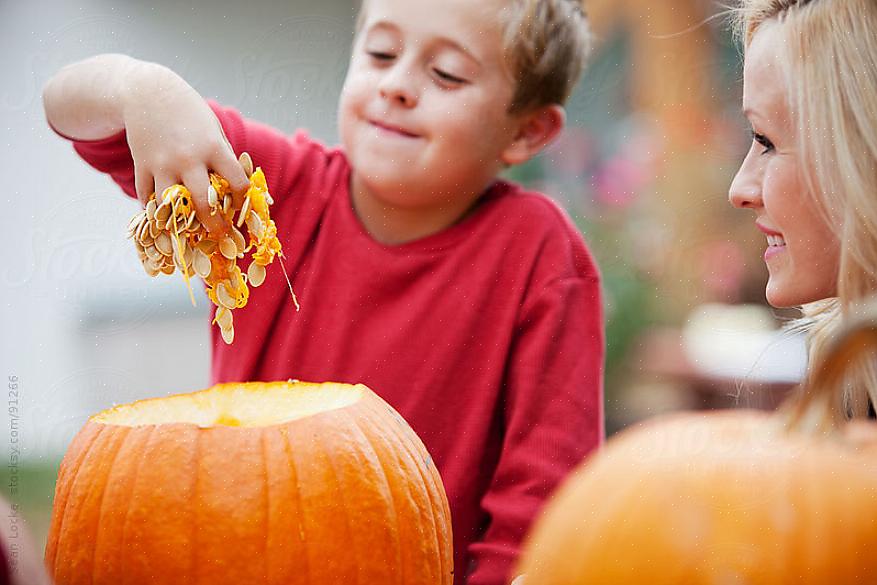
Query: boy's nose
[(398, 86)]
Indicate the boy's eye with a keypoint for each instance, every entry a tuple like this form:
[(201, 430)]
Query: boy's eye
[(447, 77), (381, 56), (764, 141)]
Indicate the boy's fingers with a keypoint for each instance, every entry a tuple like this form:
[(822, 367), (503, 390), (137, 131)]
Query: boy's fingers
[(162, 182), (229, 167), (143, 184), (196, 182)]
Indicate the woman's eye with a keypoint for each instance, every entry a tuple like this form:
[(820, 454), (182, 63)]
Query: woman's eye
[(447, 77), (764, 141)]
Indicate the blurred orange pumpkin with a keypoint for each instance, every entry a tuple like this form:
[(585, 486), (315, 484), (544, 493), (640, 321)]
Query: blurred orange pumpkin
[(250, 483), (724, 497)]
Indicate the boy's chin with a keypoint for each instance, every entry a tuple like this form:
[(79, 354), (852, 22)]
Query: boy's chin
[(386, 184)]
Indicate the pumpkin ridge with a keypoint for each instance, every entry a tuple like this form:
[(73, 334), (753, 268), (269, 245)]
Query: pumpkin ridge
[(194, 510), (100, 515), (339, 482), (398, 503), (400, 575), (426, 486), (267, 500), (84, 477), (302, 526), (142, 457), (65, 485), (406, 463)]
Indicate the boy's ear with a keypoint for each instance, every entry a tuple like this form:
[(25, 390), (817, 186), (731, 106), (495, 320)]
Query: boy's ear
[(536, 129)]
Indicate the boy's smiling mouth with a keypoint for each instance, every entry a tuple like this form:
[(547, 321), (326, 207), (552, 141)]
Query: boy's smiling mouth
[(392, 129)]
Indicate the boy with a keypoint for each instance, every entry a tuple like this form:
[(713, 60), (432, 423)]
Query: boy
[(471, 306)]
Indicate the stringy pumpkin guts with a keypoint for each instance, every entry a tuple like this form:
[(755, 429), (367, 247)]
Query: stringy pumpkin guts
[(169, 237)]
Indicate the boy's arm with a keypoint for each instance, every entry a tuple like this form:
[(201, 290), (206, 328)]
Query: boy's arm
[(173, 135), (553, 416)]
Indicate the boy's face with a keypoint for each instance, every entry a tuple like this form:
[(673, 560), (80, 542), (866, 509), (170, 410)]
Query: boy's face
[(423, 114)]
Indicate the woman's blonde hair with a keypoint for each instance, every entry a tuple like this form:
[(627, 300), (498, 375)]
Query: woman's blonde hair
[(830, 71)]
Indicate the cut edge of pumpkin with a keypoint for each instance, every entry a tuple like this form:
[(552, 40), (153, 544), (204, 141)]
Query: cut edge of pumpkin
[(243, 405)]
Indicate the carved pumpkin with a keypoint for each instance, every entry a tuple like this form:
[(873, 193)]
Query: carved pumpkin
[(274, 483)]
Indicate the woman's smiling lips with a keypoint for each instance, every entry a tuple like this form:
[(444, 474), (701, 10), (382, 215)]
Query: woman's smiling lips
[(775, 241)]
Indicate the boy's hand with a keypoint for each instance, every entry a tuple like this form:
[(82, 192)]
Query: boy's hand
[(175, 138), (172, 132)]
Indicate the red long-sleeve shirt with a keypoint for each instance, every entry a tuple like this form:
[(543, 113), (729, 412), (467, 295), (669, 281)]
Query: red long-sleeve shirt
[(487, 337)]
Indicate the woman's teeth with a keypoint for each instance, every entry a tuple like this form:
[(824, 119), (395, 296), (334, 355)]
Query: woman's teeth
[(775, 241)]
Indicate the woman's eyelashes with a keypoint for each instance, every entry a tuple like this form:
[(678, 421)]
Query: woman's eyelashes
[(763, 141)]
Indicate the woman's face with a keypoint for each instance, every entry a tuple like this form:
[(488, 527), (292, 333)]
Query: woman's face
[(803, 251)]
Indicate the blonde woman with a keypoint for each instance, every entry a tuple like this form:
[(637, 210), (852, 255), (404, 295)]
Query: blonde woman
[(810, 176)]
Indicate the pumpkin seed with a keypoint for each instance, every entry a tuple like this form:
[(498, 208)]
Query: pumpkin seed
[(255, 225), (163, 213), (227, 335), (244, 210), (207, 246), (246, 164), (226, 204), (256, 274), (223, 317), (228, 248), (224, 297), (212, 196), (153, 253), (268, 198), (153, 265), (143, 229), (239, 241), (154, 230), (150, 209), (167, 269), (164, 244), (202, 264), (134, 224)]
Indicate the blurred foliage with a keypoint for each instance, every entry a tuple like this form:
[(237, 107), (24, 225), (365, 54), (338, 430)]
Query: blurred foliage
[(30, 485)]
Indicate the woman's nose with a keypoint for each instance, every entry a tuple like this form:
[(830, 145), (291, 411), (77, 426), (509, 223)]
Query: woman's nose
[(399, 86), (745, 190)]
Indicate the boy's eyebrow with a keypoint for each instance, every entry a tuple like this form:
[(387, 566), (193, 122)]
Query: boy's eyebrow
[(458, 47), (388, 25)]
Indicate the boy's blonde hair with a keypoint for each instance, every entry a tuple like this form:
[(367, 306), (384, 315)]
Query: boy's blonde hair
[(830, 70), (546, 44)]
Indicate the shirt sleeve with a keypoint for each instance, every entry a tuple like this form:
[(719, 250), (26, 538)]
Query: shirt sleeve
[(553, 416), (274, 151)]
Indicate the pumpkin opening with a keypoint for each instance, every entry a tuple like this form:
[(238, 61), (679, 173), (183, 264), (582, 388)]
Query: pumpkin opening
[(236, 405)]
